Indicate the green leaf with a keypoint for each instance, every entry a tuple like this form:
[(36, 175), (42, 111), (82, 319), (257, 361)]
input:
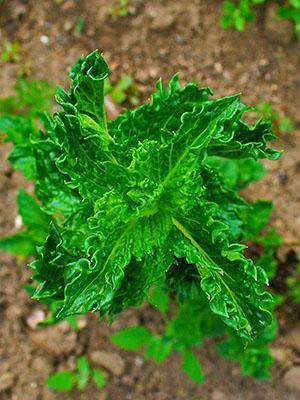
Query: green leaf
[(62, 381), (186, 327), (36, 221), (33, 97), (22, 158), (159, 298), (237, 13), (238, 173), (73, 322), (131, 338), (87, 88), (11, 52), (158, 349), (255, 358), (295, 3), (192, 367), (221, 285), (32, 215), (83, 376), (256, 218), (20, 243), (17, 128), (80, 24), (286, 125), (99, 378)]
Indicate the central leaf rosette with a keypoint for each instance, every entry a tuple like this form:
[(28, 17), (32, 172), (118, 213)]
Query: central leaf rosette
[(132, 197)]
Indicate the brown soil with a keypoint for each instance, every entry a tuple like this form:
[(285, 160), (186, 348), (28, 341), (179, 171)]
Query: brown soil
[(157, 38)]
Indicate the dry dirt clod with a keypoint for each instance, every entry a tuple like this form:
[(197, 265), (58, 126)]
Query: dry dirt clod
[(161, 17), (42, 366), (163, 23), (218, 395), (14, 312), (54, 341), (281, 354), (113, 362), (293, 338), (292, 379), (102, 396), (6, 381)]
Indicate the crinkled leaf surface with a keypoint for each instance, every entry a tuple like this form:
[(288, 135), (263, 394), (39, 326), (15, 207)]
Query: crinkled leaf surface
[(132, 197)]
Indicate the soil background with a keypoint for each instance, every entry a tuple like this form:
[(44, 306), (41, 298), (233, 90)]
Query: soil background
[(156, 39)]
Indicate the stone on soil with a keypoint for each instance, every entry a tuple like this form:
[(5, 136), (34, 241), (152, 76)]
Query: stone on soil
[(113, 362), (293, 338), (218, 395), (54, 340), (292, 379)]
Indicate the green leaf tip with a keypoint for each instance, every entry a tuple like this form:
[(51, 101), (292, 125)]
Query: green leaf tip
[(92, 66)]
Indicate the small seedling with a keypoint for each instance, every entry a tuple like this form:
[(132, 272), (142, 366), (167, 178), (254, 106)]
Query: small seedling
[(65, 381), (80, 24), (24, 70), (31, 99), (236, 14), (62, 381), (11, 52), (124, 90), (280, 123), (19, 119), (120, 9)]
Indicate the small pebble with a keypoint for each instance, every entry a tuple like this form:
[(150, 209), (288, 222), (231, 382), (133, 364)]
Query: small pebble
[(82, 322), (179, 39), (68, 26), (139, 361), (35, 318), (44, 39), (226, 75), (292, 379), (218, 67), (268, 77), (18, 222)]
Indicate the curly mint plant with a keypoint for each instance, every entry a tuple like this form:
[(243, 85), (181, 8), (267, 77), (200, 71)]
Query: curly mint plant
[(141, 201)]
